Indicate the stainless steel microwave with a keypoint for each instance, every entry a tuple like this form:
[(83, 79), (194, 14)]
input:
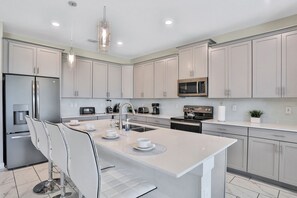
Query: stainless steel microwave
[(193, 87)]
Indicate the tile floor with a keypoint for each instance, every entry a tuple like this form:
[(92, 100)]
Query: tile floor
[(20, 182)]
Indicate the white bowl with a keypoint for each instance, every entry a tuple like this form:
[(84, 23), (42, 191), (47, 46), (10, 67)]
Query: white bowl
[(110, 133), (144, 142)]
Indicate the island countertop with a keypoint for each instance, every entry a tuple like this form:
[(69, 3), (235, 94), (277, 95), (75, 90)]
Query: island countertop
[(184, 150)]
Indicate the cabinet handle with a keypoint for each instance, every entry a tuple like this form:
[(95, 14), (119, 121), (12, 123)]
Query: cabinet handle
[(281, 136), (74, 93), (283, 91), (122, 94), (191, 73), (275, 148), (77, 93), (281, 149), (221, 129), (34, 68), (37, 70), (165, 94)]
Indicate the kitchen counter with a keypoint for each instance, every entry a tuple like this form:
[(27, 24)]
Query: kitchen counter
[(116, 114), (280, 127), (186, 155)]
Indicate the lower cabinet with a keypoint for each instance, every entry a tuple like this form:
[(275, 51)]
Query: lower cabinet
[(237, 153), (288, 163), (263, 157)]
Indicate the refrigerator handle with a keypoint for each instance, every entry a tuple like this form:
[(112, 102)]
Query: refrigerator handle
[(33, 99), (37, 100)]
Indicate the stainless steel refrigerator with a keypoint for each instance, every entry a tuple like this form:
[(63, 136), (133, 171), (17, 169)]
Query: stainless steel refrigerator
[(38, 97)]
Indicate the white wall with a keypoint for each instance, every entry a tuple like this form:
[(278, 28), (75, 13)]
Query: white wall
[(274, 109), (70, 107), (1, 110)]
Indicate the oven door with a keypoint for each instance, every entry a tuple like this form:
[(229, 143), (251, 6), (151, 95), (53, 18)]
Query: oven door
[(186, 126)]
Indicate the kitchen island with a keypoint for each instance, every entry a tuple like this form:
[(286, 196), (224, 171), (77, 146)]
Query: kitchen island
[(183, 164)]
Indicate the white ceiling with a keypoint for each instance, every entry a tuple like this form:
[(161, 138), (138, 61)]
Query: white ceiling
[(139, 24)]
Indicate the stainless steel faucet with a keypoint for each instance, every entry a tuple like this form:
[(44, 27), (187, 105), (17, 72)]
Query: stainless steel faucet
[(121, 113)]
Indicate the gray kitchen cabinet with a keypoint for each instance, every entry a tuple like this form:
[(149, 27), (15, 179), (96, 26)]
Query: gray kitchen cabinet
[(193, 61), (237, 153), (77, 80), (127, 81), (230, 71), (166, 76), (144, 80), (263, 157), (100, 70), (289, 64), (159, 122), (267, 67), (114, 85), (30, 59), (288, 163)]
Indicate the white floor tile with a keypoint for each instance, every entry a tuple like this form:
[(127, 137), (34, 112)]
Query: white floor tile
[(256, 187), (6, 177), (240, 176), (240, 192), (25, 176), (262, 196), (229, 177), (40, 167), (8, 191), (283, 194), (68, 189), (227, 195), (26, 191)]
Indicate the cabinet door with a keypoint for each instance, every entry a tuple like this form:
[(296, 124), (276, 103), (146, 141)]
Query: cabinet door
[(237, 153), (127, 81), (288, 163), (68, 79), (148, 84), (114, 81), (160, 79), (289, 64), (186, 63), (100, 80), (200, 54), (263, 157), (171, 78), (217, 72), (84, 78), (48, 62), (138, 81), (22, 59), (267, 67), (240, 70)]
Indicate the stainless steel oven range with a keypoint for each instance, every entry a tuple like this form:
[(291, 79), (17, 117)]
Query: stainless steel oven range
[(191, 121)]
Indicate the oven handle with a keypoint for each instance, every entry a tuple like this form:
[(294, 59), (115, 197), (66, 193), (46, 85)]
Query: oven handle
[(186, 123)]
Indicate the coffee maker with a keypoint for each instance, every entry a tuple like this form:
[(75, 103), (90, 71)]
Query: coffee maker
[(156, 109)]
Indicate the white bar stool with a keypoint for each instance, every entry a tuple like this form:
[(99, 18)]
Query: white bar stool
[(59, 154), (40, 140), (85, 172)]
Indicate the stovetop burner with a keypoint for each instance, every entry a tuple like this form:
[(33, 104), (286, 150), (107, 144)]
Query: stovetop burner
[(193, 113)]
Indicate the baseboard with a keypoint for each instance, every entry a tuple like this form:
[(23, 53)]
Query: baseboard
[(2, 166)]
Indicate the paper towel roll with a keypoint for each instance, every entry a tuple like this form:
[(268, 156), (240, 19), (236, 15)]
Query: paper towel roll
[(221, 113)]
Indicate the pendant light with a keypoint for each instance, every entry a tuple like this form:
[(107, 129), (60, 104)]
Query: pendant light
[(71, 55), (103, 33)]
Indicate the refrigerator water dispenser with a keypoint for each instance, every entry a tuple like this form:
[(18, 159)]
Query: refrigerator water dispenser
[(19, 113)]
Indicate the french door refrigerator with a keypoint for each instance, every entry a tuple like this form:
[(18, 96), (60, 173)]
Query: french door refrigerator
[(38, 97)]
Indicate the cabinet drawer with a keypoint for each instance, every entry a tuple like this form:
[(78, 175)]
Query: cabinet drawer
[(236, 130), (274, 134), (211, 133), (138, 118), (158, 121)]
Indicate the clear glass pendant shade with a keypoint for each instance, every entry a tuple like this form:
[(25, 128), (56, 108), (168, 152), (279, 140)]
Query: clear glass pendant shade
[(103, 34), (71, 57)]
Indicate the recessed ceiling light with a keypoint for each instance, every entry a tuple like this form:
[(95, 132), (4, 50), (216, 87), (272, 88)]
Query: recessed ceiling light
[(168, 22), (55, 24), (120, 43)]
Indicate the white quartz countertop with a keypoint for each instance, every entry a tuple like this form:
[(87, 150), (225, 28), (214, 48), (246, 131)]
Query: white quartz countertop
[(185, 151), (281, 127)]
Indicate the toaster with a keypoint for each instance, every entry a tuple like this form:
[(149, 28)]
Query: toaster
[(143, 110)]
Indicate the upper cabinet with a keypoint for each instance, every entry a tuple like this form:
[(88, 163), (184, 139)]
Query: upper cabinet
[(106, 80), (32, 60), (230, 70), (127, 81), (144, 80), (193, 61), (267, 67), (77, 79), (166, 76)]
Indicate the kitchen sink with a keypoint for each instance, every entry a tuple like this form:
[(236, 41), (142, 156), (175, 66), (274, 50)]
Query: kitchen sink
[(132, 127)]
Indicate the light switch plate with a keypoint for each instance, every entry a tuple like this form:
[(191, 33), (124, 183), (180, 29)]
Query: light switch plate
[(288, 110)]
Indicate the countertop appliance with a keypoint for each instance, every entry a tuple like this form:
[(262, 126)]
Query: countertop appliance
[(108, 108), (38, 97), (191, 121), (156, 108), (116, 108), (143, 110), (87, 110), (193, 87)]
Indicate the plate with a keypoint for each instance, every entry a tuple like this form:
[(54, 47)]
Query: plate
[(110, 138), (70, 124), (135, 146)]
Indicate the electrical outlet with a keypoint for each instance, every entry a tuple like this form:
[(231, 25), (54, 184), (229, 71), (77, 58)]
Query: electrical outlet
[(234, 108), (288, 110)]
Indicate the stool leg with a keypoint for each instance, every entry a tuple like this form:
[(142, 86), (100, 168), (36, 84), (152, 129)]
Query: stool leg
[(63, 194)]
